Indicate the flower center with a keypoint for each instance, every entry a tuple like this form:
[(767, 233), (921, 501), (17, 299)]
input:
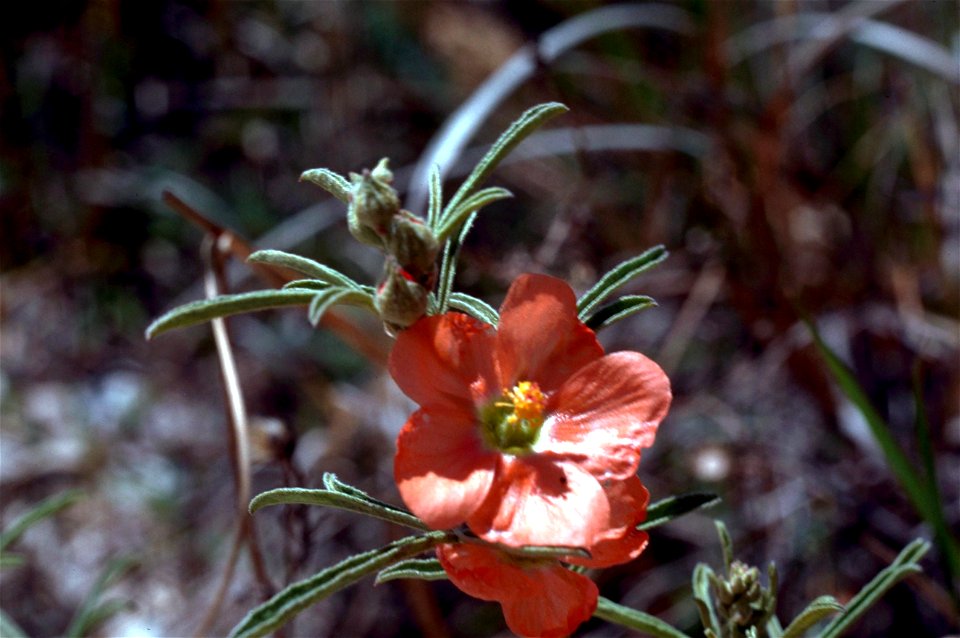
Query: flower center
[(512, 422)]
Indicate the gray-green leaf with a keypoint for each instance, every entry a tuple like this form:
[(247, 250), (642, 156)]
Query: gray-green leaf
[(206, 309), (665, 510), (333, 183), (617, 277), (303, 265), (620, 309), (275, 612), (814, 613), (416, 568)]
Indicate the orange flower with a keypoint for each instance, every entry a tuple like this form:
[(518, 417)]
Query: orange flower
[(539, 597), (527, 433)]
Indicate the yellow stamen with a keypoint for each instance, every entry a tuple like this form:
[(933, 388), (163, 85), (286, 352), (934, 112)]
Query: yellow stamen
[(528, 402)]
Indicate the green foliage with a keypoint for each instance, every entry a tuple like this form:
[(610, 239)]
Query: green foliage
[(277, 611), (93, 611), (616, 277), (815, 612), (527, 123), (620, 309), (45, 508), (303, 265), (921, 488), (474, 307), (672, 507), (903, 565), (351, 499), (335, 184), (415, 568), (225, 305), (638, 620)]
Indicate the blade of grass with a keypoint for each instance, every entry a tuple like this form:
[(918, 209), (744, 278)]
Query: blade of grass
[(915, 487)]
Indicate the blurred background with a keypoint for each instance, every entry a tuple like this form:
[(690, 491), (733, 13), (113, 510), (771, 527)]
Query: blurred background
[(799, 159)]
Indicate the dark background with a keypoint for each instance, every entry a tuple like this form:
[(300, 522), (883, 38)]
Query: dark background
[(819, 177)]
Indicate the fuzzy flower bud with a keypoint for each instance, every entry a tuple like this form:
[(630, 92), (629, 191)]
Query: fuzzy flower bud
[(373, 203), (400, 300), (413, 245)]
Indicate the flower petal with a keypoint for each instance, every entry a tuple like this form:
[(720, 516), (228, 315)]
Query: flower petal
[(542, 599), (441, 360), (539, 337), (604, 414), (442, 469), (535, 501), (623, 542)]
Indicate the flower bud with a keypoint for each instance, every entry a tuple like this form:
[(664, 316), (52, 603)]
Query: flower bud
[(373, 203), (400, 300), (413, 245)]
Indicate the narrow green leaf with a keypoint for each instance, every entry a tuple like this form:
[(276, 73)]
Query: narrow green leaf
[(545, 551), (339, 500), (435, 202), (634, 619), (92, 612), (47, 507), (473, 307), (946, 542), (416, 568), (333, 483), (333, 183), (8, 560), (206, 309), (275, 612), (306, 284), (448, 265), (774, 628), (815, 612), (617, 277), (528, 122), (326, 299), (703, 597), (452, 220), (619, 309), (901, 567), (665, 510), (303, 265), (924, 502), (10, 629), (726, 544)]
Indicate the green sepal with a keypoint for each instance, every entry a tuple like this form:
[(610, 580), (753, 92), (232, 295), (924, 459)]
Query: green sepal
[(527, 123), (47, 507), (618, 276), (335, 184), (326, 299), (452, 220), (634, 619), (902, 566), (544, 551), (665, 510), (814, 613), (474, 307), (303, 265), (293, 599), (620, 309), (359, 503), (206, 309), (416, 568)]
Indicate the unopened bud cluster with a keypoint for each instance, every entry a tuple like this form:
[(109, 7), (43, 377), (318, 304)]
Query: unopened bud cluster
[(375, 218), (743, 602)]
